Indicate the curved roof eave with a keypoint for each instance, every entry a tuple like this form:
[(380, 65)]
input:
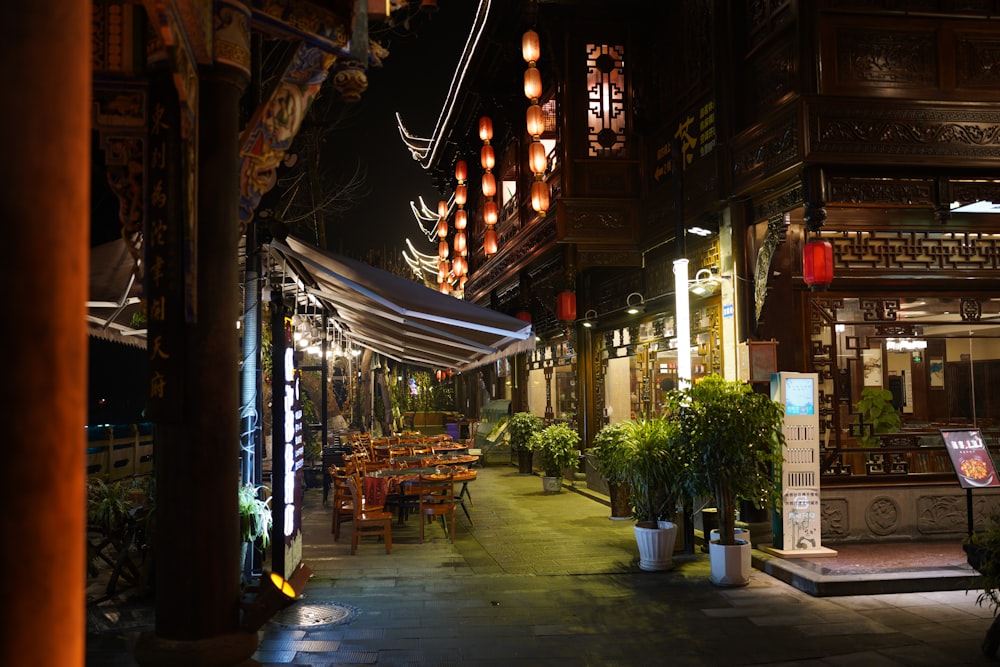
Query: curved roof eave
[(425, 150)]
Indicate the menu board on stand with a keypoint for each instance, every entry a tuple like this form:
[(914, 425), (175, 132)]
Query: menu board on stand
[(972, 462), (798, 534)]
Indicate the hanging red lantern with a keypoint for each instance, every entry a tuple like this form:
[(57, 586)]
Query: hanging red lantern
[(566, 306), (540, 196), (442, 228), (532, 84), (491, 212), (443, 249), (817, 263), (489, 184), (442, 209), (487, 157), (461, 194), (459, 242), (444, 287), (485, 128), (535, 120), (490, 241), (461, 219), (530, 47), (439, 374), (461, 171), (524, 316), (537, 157)]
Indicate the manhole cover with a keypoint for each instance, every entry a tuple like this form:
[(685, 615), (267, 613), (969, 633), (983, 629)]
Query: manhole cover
[(311, 615)]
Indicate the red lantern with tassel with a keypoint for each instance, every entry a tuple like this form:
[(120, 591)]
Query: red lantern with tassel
[(817, 264), (566, 306)]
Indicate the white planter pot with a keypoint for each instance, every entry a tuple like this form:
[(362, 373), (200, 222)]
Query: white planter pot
[(740, 533), (656, 546), (731, 564), (551, 484)]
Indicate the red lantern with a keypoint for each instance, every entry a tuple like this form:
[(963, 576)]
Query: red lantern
[(487, 157), (442, 209), (485, 128), (443, 249), (566, 306), (524, 316), (489, 184), (461, 219), (537, 157), (532, 83), (459, 242), (817, 263), (535, 120), (444, 288), (461, 171), (530, 48), (490, 212), (442, 228), (461, 194), (540, 196), (490, 241)]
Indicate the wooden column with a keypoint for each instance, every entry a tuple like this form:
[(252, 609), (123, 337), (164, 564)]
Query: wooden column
[(45, 67), (197, 463)]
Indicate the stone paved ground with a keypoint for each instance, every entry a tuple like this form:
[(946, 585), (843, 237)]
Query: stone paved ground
[(550, 580)]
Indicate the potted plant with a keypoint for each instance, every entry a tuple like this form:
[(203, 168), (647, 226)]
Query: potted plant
[(983, 552), (255, 521), (654, 467), (520, 427), (558, 446), (607, 454), (875, 408), (735, 437)]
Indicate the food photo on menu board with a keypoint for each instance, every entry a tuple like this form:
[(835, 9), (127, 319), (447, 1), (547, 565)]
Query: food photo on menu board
[(971, 459)]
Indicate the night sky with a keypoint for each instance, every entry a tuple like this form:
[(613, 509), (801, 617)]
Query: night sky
[(413, 81)]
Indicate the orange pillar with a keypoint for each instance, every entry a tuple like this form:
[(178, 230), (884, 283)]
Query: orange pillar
[(45, 68)]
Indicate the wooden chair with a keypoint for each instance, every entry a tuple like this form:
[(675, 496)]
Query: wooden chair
[(343, 505), (436, 499), (368, 521)]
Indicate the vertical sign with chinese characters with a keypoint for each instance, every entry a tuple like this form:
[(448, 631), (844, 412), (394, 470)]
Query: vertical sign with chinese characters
[(163, 271)]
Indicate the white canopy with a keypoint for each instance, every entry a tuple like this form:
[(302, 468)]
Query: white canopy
[(403, 319)]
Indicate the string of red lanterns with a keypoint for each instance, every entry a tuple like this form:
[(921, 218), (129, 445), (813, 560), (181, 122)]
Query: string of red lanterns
[(487, 159), (459, 265), (535, 122)]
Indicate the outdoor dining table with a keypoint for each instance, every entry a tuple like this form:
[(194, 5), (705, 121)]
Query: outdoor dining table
[(381, 484)]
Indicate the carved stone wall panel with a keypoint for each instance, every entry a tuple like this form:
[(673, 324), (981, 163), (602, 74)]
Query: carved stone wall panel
[(897, 192), (938, 514), (835, 518), (766, 150), (883, 515), (889, 132)]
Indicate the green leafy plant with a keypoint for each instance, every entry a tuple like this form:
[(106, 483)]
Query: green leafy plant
[(520, 427), (255, 514), (558, 446), (734, 436), (875, 408), (611, 451)]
